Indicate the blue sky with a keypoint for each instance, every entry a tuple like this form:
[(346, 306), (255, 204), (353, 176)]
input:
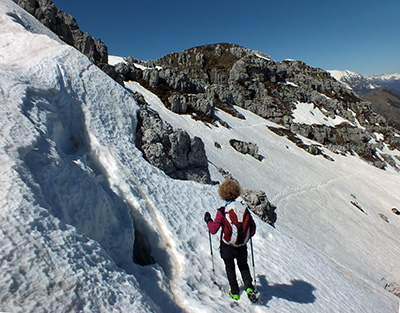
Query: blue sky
[(358, 35)]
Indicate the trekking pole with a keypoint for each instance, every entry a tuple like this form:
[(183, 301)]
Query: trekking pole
[(212, 259), (252, 261)]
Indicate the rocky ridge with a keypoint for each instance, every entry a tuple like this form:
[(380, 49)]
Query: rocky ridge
[(173, 151), (67, 29), (201, 79)]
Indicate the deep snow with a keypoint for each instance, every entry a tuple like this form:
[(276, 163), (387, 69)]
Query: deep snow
[(74, 189)]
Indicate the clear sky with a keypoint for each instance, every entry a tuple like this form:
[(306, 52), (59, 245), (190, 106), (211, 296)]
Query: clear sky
[(362, 36)]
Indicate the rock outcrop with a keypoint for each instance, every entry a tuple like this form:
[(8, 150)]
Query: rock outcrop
[(172, 151), (394, 288), (201, 79), (259, 204), (66, 27), (246, 148)]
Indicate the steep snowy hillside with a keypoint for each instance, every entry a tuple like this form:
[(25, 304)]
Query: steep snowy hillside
[(77, 201), (337, 207), (200, 80)]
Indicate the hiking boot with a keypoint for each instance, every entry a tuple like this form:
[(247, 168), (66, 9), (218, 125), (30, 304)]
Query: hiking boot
[(234, 296), (252, 294)]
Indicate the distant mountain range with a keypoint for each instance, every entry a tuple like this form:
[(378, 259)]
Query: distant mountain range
[(383, 91), (389, 82)]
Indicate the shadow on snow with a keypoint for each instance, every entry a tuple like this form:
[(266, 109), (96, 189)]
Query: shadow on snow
[(298, 291)]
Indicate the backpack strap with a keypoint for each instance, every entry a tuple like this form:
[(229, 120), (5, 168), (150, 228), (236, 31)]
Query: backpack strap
[(222, 210)]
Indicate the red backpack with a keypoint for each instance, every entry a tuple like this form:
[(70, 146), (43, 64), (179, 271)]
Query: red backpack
[(236, 224)]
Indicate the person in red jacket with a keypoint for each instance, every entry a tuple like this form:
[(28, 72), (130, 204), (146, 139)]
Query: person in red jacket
[(229, 191)]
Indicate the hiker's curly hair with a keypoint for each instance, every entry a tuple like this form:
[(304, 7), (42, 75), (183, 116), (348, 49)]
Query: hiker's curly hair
[(229, 190)]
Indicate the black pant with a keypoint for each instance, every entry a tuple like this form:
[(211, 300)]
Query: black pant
[(229, 254)]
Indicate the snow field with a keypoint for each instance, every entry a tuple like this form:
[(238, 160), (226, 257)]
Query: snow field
[(319, 194), (307, 113)]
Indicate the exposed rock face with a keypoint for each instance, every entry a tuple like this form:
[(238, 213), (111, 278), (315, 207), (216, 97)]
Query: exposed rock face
[(182, 103), (174, 152), (200, 79), (65, 26), (112, 72), (246, 148), (393, 288)]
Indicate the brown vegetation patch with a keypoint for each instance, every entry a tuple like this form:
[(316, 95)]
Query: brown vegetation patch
[(226, 107)]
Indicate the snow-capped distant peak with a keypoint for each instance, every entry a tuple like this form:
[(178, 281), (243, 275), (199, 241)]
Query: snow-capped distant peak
[(352, 80), (385, 77), (340, 75)]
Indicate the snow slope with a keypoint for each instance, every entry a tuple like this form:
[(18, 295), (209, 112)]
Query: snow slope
[(313, 194), (308, 113), (75, 191), (113, 60)]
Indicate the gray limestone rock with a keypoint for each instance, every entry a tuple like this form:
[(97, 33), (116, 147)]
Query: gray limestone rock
[(246, 148), (174, 152), (259, 204)]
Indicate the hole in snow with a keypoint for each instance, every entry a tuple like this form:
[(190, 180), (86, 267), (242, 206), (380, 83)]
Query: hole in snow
[(149, 246), (142, 249)]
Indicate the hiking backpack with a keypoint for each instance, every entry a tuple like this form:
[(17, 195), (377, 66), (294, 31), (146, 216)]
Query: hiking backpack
[(236, 224)]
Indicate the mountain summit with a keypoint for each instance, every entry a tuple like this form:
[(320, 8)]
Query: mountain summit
[(200, 80)]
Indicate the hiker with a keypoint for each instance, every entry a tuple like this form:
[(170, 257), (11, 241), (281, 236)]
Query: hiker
[(234, 246)]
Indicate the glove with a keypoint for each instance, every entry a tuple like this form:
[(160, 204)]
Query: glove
[(207, 218)]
